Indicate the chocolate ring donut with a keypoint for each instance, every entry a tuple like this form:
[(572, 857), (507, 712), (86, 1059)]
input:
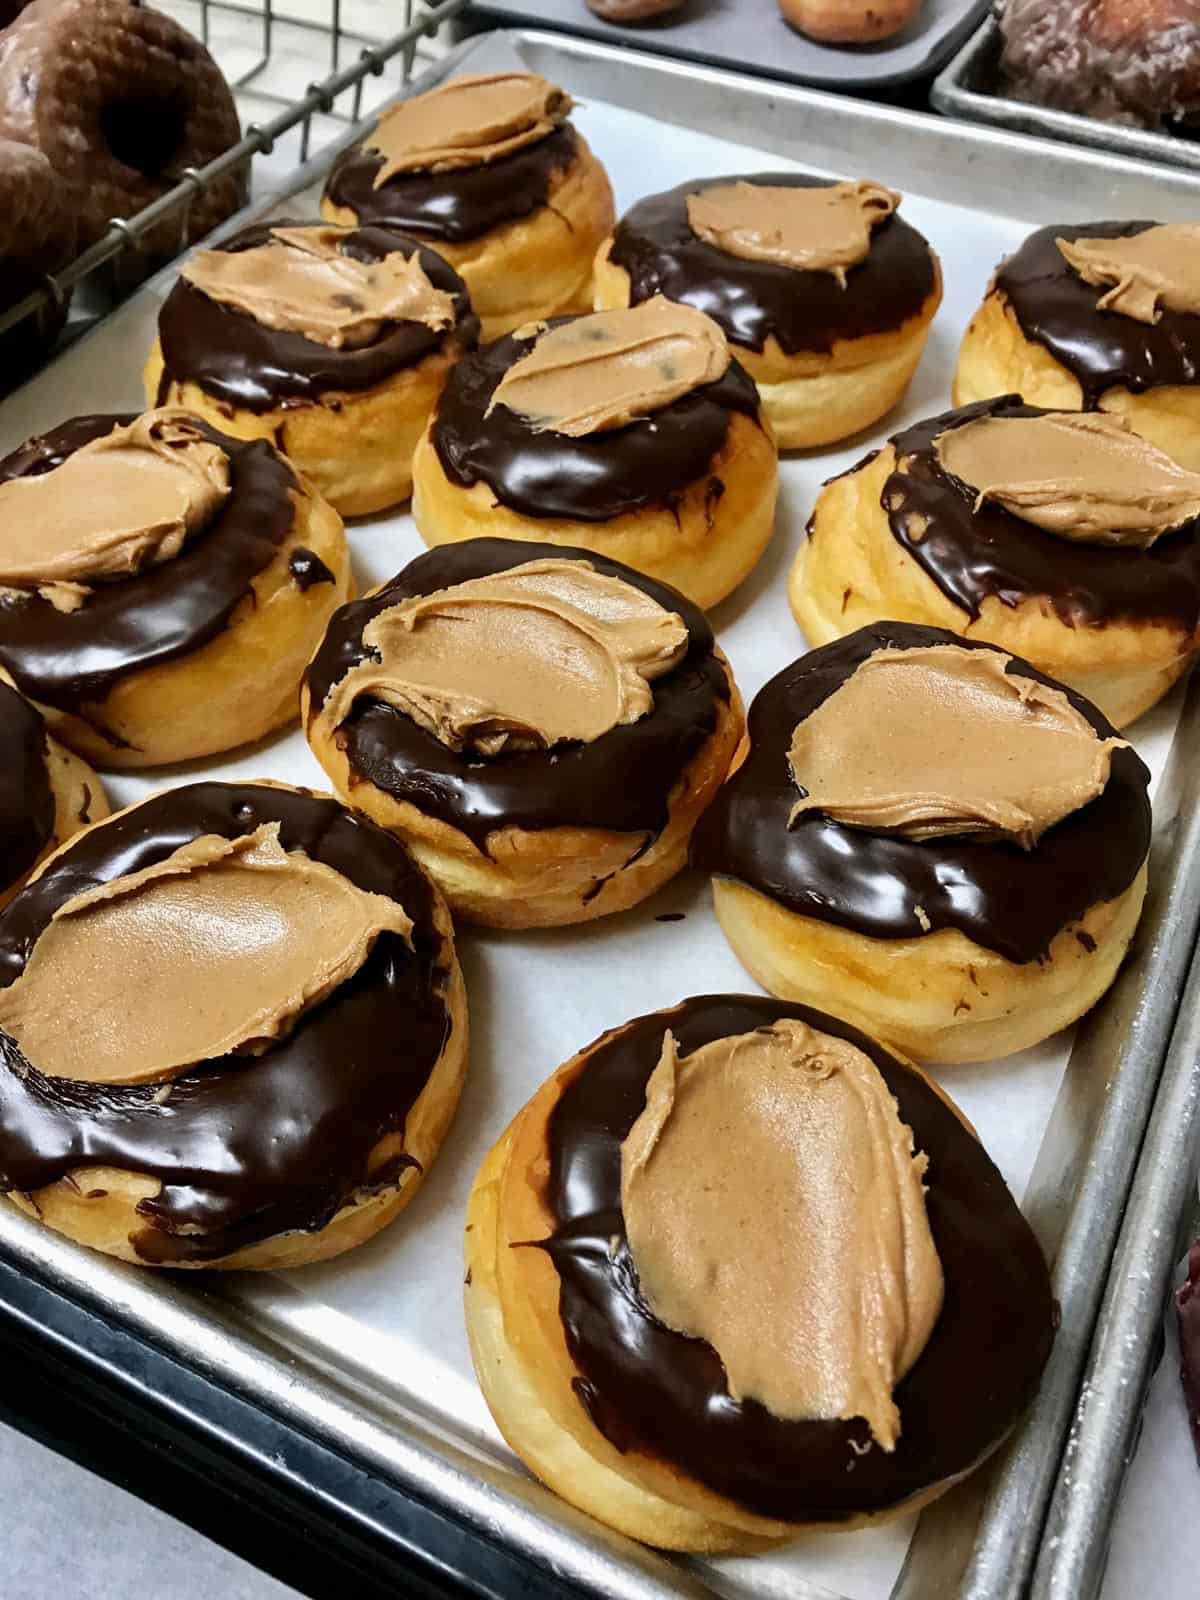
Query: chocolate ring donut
[(38, 227), (120, 100), (264, 1159)]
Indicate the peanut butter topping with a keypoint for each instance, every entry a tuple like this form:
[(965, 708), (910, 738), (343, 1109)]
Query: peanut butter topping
[(468, 122), (548, 651), (942, 741), (601, 371), (1152, 270), (774, 1208), (300, 281), (811, 230), (124, 502), (217, 950), (1083, 475)]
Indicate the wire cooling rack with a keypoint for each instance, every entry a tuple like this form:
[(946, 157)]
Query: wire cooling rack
[(267, 51)]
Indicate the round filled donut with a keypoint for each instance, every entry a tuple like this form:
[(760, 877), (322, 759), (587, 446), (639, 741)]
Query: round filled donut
[(162, 585), (631, 433), (489, 171), (332, 342), (120, 100), (541, 726), (1062, 536), (739, 1271), (939, 842), (38, 230), (46, 793), (825, 294), (1096, 316), (233, 1031)]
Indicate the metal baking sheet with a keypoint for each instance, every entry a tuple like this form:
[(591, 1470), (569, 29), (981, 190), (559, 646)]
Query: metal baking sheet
[(969, 87), (751, 36), (368, 1353)]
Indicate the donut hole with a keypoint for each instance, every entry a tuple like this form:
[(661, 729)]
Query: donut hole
[(145, 131)]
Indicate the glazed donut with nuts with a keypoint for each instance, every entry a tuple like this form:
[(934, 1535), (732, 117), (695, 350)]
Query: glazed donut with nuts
[(933, 838), (541, 726), (1096, 316), (1059, 535), (739, 1271), (488, 170), (46, 793), (233, 1031), (825, 294), (332, 342), (161, 585), (631, 433)]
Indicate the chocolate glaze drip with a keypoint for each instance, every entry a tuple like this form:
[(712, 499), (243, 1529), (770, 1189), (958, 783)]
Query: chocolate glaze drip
[(26, 797), (242, 362), (620, 781), (454, 206), (649, 1388), (751, 300), (593, 479), (245, 1147), (307, 569), (1006, 899), (73, 660), (973, 554), (1102, 349)]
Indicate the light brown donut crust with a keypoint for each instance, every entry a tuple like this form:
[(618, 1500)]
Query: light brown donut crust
[(79, 799), (539, 266)]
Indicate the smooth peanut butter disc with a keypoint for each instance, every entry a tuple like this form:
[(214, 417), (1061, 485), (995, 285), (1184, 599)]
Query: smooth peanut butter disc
[(301, 282), (124, 502), (942, 741), (217, 949), (774, 1208), (811, 230), (1083, 475), (1142, 274), (469, 122), (602, 371), (545, 652)]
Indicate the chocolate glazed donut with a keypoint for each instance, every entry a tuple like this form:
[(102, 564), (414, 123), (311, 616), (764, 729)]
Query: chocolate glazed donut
[(648, 1388), (245, 363), (120, 100), (1008, 900), (652, 460), (38, 230), (620, 781), (245, 1147), (26, 796), (752, 300)]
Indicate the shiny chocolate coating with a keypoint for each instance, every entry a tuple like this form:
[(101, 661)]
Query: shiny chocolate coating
[(26, 796), (245, 1147), (885, 886), (621, 781), (307, 569), (753, 300), (976, 553), (454, 206), (1101, 349), (246, 364), (73, 660), (650, 1389), (651, 461)]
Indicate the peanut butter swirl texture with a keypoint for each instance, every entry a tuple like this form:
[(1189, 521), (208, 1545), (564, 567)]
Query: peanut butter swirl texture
[(126, 501), (943, 742), (599, 372), (217, 950), (469, 122), (811, 230), (774, 1208), (545, 652), (1082, 475), (301, 282), (1141, 275)]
